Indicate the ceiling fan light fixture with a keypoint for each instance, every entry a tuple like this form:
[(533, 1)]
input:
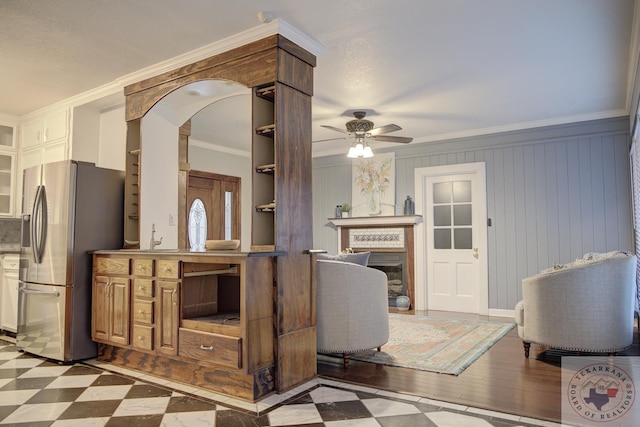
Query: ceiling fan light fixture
[(359, 148), (362, 130)]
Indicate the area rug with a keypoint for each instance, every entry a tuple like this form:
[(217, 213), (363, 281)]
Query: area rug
[(437, 345)]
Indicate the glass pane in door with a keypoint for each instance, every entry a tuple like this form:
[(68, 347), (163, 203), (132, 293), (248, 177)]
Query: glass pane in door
[(462, 215), (228, 214), (462, 238), (452, 215), (442, 216), (197, 226), (442, 192), (442, 238), (461, 191)]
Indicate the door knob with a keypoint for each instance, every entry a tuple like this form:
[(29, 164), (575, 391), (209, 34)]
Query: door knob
[(475, 253)]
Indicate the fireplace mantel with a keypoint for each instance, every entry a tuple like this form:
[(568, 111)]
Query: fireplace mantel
[(376, 220)]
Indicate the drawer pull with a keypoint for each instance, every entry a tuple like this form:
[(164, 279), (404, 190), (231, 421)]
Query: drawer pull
[(140, 338), (141, 288), (203, 347), (141, 311), (168, 269)]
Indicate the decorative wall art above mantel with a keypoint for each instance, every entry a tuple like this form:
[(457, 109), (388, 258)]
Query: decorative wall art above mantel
[(373, 185)]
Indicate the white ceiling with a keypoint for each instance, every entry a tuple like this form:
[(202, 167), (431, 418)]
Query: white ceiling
[(438, 68)]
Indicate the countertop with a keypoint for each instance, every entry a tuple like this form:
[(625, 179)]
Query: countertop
[(185, 253)]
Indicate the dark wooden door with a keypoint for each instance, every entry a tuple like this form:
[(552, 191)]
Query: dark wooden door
[(220, 195)]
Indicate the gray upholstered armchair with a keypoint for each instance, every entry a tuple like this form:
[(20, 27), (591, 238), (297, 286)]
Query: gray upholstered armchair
[(352, 308), (586, 306)]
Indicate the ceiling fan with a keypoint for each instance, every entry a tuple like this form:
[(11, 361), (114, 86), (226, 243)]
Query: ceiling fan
[(362, 129)]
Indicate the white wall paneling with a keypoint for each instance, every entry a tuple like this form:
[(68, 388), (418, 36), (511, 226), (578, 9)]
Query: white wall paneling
[(159, 180), (553, 194), (113, 137)]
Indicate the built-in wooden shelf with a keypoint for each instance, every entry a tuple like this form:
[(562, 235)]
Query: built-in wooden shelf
[(266, 168), (269, 207), (267, 93), (267, 130)]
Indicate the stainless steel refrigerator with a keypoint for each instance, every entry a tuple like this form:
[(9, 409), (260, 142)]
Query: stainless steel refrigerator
[(69, 209)]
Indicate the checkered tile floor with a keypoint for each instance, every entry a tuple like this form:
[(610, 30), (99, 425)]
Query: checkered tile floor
[(36, 392)]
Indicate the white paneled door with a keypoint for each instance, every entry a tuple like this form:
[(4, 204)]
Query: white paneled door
[(453, 237)]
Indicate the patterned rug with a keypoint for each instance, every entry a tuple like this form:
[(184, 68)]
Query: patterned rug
[(437, 345)]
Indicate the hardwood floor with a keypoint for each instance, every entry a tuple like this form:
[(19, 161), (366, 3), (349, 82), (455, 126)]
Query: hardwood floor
[(500, 380)]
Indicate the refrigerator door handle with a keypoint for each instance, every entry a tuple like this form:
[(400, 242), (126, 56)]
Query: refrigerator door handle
[(31, 291), (39, 224), (34, 227)]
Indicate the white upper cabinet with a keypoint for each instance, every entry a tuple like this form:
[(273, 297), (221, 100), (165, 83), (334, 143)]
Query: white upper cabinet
[(56, 126), (7, 136), (6, 183), (43, 139), (7, 168), (50, 128), (32, 133)]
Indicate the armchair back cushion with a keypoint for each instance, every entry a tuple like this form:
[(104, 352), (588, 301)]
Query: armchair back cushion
[(584, 307), (352, 307)]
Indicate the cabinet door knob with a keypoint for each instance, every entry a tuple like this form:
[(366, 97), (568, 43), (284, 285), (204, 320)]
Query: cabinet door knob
[(203, 347), (141, 311), (141, 288), (140, 338)]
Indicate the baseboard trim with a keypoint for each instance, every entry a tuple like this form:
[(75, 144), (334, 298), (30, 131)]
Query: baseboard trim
[(496, 312)]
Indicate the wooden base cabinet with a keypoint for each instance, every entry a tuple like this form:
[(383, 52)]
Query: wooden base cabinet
[(111, 309), (111, 298), (168, 319), (190, 314)]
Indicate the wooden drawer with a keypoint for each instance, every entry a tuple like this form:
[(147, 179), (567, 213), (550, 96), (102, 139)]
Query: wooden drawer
[(167, 269), (143, 288), (142, 337), (220, 349), (107, 265), (143, 267), (143, 312)]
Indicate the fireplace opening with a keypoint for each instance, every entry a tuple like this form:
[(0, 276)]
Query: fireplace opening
[(393, 265)]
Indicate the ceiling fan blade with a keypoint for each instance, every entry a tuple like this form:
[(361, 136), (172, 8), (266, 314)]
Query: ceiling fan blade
[(334, 128), (401, 139), (329, 139), (384, 129)]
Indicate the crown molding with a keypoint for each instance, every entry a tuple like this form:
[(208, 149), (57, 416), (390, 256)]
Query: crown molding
[(524, 125), (116, 87), (219, 148), (303, 40), (9, 119)]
